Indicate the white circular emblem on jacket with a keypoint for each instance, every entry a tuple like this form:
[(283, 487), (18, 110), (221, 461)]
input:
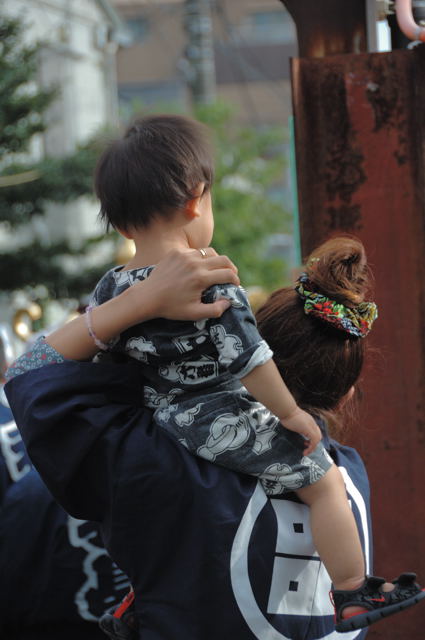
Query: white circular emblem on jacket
[(299, 583)]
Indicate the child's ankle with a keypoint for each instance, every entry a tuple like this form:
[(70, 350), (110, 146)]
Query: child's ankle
[(350, 584)]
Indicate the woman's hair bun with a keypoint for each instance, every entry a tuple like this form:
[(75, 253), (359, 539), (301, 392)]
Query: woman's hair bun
[(338, 269)]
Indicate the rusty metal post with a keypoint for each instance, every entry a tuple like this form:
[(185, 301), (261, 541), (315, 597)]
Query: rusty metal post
[(360, 139), (328, 27), (360, 145)]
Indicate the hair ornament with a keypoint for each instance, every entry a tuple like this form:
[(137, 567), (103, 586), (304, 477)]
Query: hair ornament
[(357, 321)]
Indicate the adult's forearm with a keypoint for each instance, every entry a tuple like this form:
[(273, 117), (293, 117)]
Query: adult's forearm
[(173, 291), (74, 341)]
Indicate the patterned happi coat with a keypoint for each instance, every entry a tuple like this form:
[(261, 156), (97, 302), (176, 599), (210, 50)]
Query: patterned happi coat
[(192, 372)]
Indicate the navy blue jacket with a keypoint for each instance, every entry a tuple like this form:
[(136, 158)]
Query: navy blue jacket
[(56, 578), (209, 555)]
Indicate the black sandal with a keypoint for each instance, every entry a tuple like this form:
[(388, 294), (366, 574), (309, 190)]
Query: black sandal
[(379, 604)]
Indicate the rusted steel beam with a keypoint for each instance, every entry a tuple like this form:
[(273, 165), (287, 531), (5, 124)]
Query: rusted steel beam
[(329, 27), (360, 139)]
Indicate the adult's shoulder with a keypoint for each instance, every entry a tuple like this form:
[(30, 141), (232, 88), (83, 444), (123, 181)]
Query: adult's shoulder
[(93, 442)]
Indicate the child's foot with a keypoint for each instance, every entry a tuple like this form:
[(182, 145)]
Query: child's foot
[(373, 600), (349, 612)]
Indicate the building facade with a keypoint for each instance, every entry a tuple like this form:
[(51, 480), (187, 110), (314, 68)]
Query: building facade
[(252, 43), (79, 41)]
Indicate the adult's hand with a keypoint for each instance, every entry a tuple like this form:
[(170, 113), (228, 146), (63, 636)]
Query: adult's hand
[(173, 291), (174, 288)]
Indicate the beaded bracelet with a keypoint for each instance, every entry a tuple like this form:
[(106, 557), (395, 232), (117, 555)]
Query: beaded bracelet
[(102, 345)]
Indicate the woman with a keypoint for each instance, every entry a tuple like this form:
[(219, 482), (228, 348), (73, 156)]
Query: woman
[(207, 553)]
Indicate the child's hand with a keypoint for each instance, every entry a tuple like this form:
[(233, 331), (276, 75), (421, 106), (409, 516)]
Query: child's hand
[(301, 422)]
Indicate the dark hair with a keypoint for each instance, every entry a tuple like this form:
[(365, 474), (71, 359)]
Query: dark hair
[(152, 170), (319, 362)]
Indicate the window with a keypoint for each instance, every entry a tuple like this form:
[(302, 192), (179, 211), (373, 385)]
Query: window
[(138, 28), (274, 27)]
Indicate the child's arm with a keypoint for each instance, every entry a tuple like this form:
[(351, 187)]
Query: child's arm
[(246, 356), (265, 383)]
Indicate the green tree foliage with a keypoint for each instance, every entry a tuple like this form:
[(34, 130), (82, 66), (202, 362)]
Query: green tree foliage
[(249, 163), (57, 180), (22, 111)]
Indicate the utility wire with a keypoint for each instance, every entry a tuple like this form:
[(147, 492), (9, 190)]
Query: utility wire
[(246, 58), (154, 17), (246, 97)]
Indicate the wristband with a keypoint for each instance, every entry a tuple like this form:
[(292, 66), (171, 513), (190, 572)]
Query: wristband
[(102, 345)]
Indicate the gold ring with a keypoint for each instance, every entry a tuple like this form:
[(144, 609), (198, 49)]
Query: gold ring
[(203, 253)]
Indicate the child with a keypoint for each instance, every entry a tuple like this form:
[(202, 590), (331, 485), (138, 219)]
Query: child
[(213, 383)]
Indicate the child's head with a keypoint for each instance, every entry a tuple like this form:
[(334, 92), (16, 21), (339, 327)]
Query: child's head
[(319, 362), (153, 170)]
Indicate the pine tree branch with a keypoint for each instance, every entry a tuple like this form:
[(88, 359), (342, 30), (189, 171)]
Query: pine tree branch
[(59, 180), (34, 264)]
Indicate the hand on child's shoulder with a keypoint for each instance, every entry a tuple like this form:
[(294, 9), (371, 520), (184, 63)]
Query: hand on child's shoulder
[(178, 281)]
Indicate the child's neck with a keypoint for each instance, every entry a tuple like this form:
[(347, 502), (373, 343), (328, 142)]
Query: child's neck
[(152, 245)]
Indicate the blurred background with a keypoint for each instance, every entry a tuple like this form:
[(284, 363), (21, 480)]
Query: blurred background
[(73, 73)]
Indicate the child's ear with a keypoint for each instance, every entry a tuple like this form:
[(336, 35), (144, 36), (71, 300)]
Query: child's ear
[(192, 206)]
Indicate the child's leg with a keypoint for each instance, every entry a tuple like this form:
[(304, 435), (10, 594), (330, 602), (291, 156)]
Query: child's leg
[(335, 532), (334, 529)]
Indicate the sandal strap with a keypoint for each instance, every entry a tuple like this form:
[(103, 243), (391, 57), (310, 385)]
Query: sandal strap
[(370, 596), (405, 579), (367, 596)]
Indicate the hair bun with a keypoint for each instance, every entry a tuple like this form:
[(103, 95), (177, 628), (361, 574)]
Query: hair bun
[(338, 269)]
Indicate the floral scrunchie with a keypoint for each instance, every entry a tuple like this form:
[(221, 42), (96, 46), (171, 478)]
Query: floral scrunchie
[(356, 321)]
